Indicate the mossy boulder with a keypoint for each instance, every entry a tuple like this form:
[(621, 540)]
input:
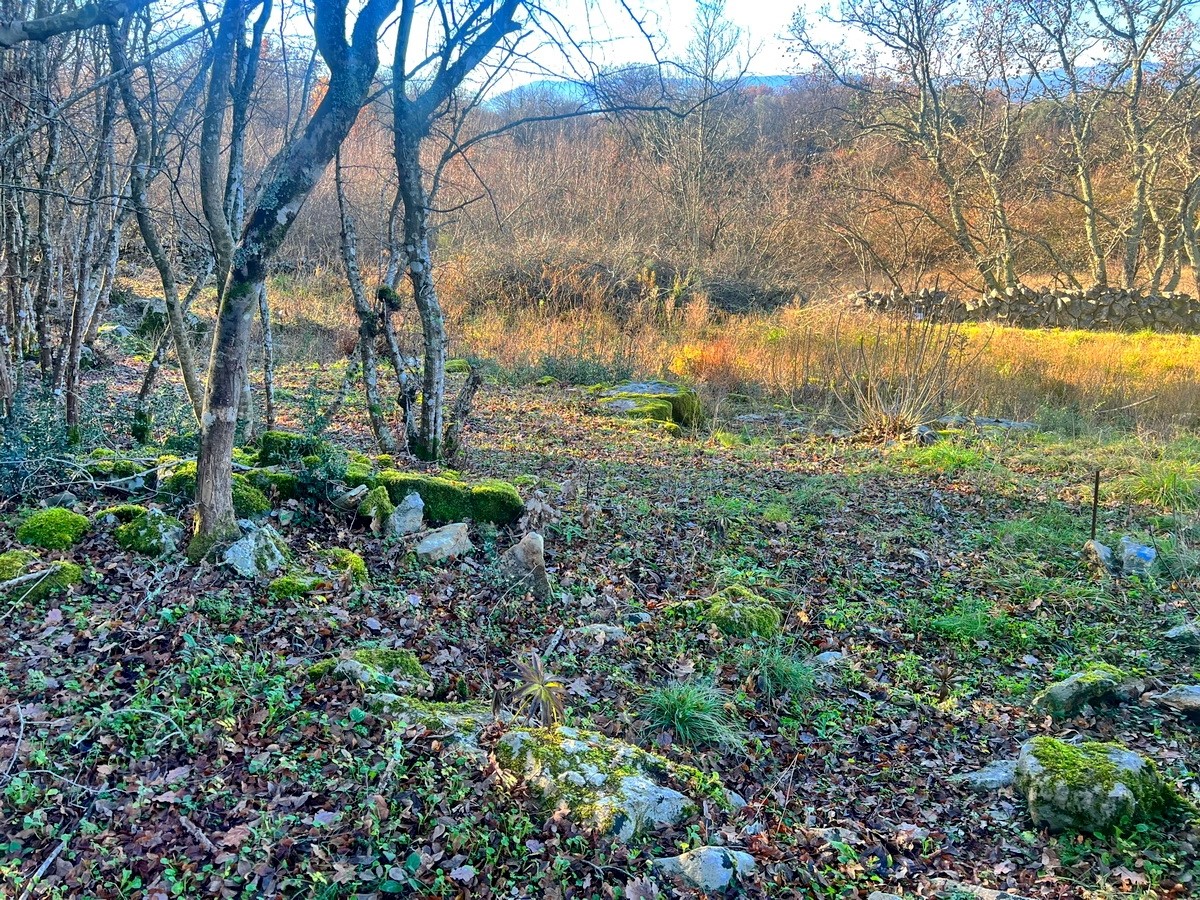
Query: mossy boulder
[(686, 408), (284, 447), (457, 366), (107, 463), (1098, 682), (633, 408), (272, 482), (120, 514), (606, 783), (59, 575), (377, 506), (55, 528), (153, 533), (739, 612), (1092, 787), (449, 500), (377, 669), (346, 562), (293, 586)]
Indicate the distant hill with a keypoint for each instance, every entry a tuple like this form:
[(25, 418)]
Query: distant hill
[(562, 92)]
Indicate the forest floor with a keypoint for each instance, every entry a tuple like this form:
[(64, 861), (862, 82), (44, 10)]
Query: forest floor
[(159, 737)]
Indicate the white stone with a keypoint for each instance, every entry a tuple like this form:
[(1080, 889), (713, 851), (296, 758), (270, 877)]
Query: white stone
[(1184, 698), (260, 551), (992, 777), (448, 542), (707, 868), (408, 517)]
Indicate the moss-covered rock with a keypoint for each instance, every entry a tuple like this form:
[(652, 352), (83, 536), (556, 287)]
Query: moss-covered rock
[(59, 575), (457, 367), (293, 586), (52, 529), (341, 560), (376, 505), (739, 612), (244, 457), (1098, 682), (1093, 787), (357, 473), (271, 482), (106, 463), (284, 447), (605, 783), (153, 533), (377, 669), (445, 500), (119, 514), (686, 408), (495, 501)]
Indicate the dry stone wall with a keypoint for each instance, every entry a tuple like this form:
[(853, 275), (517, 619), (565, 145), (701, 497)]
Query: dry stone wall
[(1094, 309)]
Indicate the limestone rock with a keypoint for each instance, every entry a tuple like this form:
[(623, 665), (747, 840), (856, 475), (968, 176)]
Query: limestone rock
[(604, 782), (684, 403), (1090, 787), (448, 542), (1184, 698), (65, 499), (599, 633), (1186, 635), (992, 777), (1097, 682), (260, 551), (408, 517), (153, 533), (525, 563), (707, 868)]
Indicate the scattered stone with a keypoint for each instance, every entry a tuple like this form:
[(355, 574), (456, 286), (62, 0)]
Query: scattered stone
[(1184, 698), (377, 669), (925, 436), (1186, 635), (603, 782), (525, 563), (260, 551), (634, 619), (600, 633), (459, 724), (408, 517), (880, 895), (1091, 787), (829, 659), (956, 889), (1136, 559), (66, 499), (707, 869), (1098, 682), (448, 542), (739, 612), (352, 498), (992, 777)]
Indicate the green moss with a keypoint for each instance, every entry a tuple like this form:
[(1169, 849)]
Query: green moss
[(1089, 767), (495, 501), (1098, 681), (60, 576), (292, 587), (109, 465), (739, 612), (686, 408), (121, 513), (457, 367), (152, 533), (378, 666), (245, 457), (339, 559), (658, 410), (445, 500), (358, 474), (385, 461), (376, 505), (668, 428), (281, 447), (248, 501), (52, 529), (284, 485)]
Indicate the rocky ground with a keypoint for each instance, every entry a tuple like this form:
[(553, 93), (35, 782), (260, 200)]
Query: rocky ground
[(858, 627)]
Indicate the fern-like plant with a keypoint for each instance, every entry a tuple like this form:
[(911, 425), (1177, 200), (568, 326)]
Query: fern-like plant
[(539, 694)]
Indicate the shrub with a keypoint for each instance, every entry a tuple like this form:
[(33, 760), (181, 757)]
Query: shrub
[(694, 712), (779, 672), (52, 529)]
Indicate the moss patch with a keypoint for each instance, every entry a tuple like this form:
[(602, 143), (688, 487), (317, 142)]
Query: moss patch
[(495, 501), (292, 586), (376, 667), (121, 513), (153, 533), (248, 501), (52, 529), (59, 575), (685, 405), (339, 559), (739, 612), (284, 485), (376, 505)]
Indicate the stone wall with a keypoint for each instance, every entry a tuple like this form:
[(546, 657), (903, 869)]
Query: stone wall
[(1094, 309)]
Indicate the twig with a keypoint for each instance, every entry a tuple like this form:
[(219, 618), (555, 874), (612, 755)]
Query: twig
[(16, 747), (1101, 412), (194, 830)]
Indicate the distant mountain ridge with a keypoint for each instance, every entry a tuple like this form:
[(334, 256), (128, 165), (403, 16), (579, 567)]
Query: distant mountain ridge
[(562, 91)]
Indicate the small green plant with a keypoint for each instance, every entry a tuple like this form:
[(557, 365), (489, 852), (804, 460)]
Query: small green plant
[(1167, 484), (695, 712), (778, 672), (539, 693)]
